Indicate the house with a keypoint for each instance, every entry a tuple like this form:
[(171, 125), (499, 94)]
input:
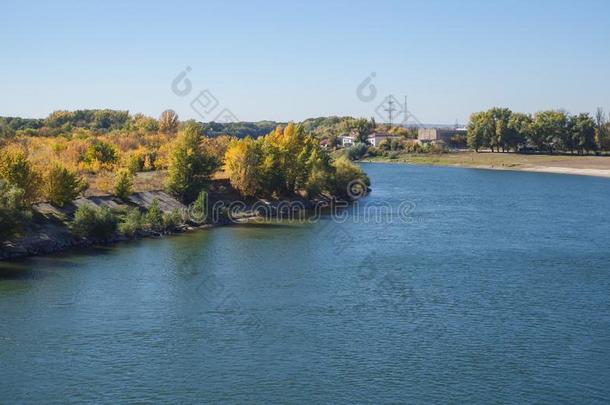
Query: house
[(324, 143), (435, 135), (347, 141), (377, 137)]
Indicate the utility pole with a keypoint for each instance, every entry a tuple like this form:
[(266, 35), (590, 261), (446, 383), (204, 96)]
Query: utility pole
[(406, 112), (390, 108)]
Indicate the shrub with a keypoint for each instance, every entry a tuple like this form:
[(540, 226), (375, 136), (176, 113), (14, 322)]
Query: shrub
[(62, 185), (131, 223), (346, 173), (17, 171), (12, 216), (101, 152), (199, 209), (172, 220), (94, 222), (123, 184), (357, 151), (153, 219)]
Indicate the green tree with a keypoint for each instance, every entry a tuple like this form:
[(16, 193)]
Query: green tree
[(582, 130), (62, 185), (154, 216), (550, 130), (520, 129), (100, 151), (12, 214), (191, 166), (481, 128), (123, 184), (141, 122), (363, 128)]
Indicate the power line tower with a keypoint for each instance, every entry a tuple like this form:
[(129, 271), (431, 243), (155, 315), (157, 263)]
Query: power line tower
[(390, 108)]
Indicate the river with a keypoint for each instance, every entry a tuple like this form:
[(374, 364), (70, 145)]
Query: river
[(469, 286)]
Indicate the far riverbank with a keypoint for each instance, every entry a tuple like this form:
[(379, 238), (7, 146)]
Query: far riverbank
[(598, 166)]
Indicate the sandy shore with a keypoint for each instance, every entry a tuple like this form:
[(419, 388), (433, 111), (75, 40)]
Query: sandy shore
[(598, 166), (555, 169)]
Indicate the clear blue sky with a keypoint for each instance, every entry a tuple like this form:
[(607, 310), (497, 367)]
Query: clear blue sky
[(286, 60)]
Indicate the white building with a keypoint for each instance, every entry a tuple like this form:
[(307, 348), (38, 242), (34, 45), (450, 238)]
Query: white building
[(347, 141), (377, 137)]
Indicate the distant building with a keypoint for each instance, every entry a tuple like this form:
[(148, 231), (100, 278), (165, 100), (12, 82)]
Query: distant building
[(347, 141), (325, 143), (377, 137), (435, 135)]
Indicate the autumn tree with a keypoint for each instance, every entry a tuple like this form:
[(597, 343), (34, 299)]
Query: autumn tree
[(168, 121), (242, 166), (16, 170)]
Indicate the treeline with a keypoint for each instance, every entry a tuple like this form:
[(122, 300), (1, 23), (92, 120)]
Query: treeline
[(500, 129), (288, 161), (54, 169)]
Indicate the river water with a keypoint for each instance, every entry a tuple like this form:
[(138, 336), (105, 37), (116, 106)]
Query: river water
[(467, 285)]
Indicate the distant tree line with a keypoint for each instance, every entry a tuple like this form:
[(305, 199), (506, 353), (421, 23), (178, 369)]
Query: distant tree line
[(500, 129)]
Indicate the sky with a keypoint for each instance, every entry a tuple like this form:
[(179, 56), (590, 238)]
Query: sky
[(291, 60)]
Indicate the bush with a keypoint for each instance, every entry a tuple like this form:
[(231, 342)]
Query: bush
[(346, 173), (123, 184), (131, 222), (101, 152), (199, 209), (357, 151), (17, 171), (62, 185), (153, 219), (12, 215), (172, 221), (99, 223)]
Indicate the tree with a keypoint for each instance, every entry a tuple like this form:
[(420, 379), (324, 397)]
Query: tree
[(100, 151), (242, 164), (550, 130), (62, 185), (582, 131), (191, 165), (363, 129), (143, 123), (18, 171), (481, 128), (520, 130), (123, 184), (600, 120), (168, 121), (501, 136)]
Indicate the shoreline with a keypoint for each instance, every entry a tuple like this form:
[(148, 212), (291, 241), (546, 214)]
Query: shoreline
[(50, 236), (554, 165)]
